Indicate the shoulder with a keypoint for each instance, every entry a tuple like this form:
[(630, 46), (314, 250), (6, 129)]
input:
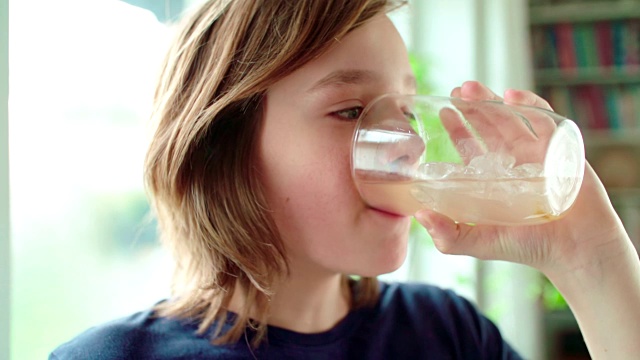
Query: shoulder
[(139, 336)]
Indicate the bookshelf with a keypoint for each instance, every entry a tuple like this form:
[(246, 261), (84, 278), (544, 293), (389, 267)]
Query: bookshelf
[(586, 58), (586, 63)]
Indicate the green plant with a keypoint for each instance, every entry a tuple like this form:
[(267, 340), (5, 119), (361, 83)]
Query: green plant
[(552, 300)]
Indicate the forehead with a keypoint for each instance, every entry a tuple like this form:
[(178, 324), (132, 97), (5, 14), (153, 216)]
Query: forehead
[(373, 52)]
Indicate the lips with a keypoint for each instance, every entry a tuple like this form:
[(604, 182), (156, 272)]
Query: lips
[(387, 213)]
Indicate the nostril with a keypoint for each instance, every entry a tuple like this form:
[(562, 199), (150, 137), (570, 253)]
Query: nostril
[(401, 159), (399, 163)]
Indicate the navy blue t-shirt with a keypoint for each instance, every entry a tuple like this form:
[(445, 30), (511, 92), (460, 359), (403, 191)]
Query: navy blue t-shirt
[(410, 321)]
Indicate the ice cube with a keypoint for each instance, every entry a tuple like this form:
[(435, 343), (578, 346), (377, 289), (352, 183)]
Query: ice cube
[(439, 170), (524, 171), (491, 165)]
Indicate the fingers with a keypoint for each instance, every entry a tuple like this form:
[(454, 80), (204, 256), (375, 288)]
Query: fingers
[(467, 145), (474, 90), (454, 238), (494, 121), (542, 123), (524, 97), (483, 242), (442, 229), (515, 130)]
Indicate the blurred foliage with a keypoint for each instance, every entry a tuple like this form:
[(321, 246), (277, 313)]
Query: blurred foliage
[(419, 65), (440, 147), (419, 233), (551, 297)]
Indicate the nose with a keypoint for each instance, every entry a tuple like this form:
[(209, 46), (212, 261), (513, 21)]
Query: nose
[(393, 144), (400, 150)]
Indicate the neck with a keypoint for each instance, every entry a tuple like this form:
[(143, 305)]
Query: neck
[(310, 305), (306, 302)]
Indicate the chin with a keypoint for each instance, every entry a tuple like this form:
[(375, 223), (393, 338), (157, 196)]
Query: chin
[(383, 266)]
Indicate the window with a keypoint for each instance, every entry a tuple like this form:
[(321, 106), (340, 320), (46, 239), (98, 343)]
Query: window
[(83, 250)]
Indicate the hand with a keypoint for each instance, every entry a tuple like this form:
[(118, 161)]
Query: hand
[(586, 254), (589, 230)]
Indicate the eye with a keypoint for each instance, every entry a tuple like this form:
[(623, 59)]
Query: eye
[(349, 114)]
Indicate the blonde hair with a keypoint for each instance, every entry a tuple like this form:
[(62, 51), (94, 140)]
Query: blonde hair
[(200, 168)]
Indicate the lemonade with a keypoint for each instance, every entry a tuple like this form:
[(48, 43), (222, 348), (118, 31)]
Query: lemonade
[(486, 201)]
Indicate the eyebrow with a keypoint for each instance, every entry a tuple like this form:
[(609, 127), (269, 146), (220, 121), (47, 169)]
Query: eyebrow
[(344, 77), (352, 77)]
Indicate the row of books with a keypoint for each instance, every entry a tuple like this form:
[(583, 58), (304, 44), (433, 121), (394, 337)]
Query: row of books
[(597, 107), (607, 44)]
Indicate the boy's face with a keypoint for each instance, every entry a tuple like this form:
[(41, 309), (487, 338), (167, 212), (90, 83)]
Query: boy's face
[(305, 155)]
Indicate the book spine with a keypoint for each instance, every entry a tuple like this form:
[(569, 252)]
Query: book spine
[(617, 29), (580, 45), (583, 115), (611, 96), (627, 108), (635, 91), (539, 47), (566, 47), (551, 46), (604, 41), (591, 46), (631, 45)]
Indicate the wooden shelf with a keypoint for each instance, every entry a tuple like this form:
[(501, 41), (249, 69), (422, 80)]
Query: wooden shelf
[(578, 32), (580, 76), (628, 194), (611, 137), (584, 11), (614, 153)]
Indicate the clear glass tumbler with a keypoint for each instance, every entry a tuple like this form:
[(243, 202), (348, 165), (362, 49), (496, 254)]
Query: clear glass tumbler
[(478, 162)]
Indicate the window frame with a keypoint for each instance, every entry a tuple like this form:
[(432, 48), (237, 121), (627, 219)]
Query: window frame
[(5, 250)]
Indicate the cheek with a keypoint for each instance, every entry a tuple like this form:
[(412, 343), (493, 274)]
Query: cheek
[(308, 176)]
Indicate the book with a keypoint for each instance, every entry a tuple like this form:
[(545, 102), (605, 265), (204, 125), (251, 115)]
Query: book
[(617, 31), (583, 116), (550, 48), (566, 47), (589, 37), (631, 44), (539, 48), (580, 45), (628, 108), (604, 44), (592, 99), (611, 95), (561, 101)]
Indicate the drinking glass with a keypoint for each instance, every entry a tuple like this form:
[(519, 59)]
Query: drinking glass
[(477, 162)]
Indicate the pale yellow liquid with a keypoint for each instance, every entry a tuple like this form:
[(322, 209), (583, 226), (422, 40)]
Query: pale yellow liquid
[(497, 201)]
